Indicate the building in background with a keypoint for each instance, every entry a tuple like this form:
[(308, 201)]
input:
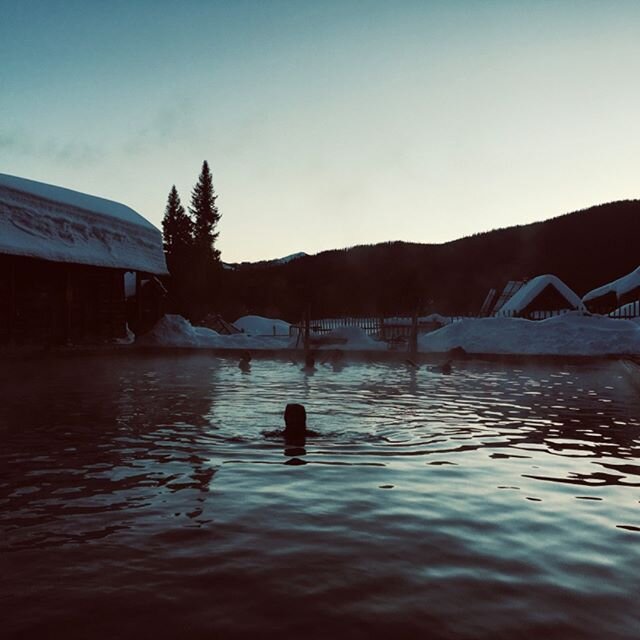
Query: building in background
[(63, 256)]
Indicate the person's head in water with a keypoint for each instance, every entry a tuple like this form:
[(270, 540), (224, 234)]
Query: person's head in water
[(309, 362), (295, 422), (245, 361)]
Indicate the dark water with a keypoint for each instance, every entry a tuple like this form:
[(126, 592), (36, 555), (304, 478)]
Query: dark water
[(140, 498)]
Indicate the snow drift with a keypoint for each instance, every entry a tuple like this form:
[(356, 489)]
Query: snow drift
[(351, 339), (570, 334), (176, 331), (259, 326)]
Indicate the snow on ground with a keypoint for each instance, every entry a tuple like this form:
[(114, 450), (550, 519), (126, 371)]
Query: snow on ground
[(569, 334), (51, 223), (533, 288), (176, 331), (259, 326), (619, 286), (351, 339)]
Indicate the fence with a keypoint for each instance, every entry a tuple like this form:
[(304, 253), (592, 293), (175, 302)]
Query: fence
[(371, 326), (399, 328), (390, 329)]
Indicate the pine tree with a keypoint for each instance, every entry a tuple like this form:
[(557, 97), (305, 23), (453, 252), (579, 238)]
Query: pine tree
[(205, 214), (177, 233), (206, 266), (177, 227)]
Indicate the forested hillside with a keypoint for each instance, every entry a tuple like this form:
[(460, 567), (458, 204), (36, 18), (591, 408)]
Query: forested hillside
[(585, 249)]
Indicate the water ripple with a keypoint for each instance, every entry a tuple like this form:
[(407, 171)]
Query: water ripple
[(158, 488)]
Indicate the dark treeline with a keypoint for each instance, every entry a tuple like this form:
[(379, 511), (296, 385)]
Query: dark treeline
[(196, 284), (585, 249)]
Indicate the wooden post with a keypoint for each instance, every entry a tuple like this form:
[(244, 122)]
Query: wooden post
[(68, 299), (413, 338), (138, 326), (11, 320), (307, 329), (383, 333)]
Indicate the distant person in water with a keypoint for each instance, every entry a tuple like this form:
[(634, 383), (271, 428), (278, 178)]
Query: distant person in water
[(309, 363), (337, 360), (445, 367), (295, 424), (245, 361)]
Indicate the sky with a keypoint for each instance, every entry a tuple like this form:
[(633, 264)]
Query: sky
[(327, 124)]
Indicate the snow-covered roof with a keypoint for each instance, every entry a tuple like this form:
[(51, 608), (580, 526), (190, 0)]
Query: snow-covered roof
[(43, 221), (619, 286), (533, 288)]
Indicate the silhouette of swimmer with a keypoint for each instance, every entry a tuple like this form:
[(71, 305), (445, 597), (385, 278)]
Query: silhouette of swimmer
[(309, 364), (337, 360), (245, 361), (295, 424), (445, 367)]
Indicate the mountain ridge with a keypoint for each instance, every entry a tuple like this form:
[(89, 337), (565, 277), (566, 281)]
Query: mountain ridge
[(585, 248)]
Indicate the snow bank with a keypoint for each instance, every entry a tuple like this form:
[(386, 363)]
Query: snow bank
[(351, 339), (259, 326), (533, 288), (569, 334), (619, 287), (51, 223), (176, 331)]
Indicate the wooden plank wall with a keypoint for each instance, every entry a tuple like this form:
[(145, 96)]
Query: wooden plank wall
[(55, 303)]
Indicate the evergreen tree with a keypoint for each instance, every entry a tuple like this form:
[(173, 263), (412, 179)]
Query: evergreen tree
[(177, 227), (206, 264), (177, 233), (205, 214)]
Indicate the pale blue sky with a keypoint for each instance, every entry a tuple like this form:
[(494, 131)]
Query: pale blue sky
[(327, 124)]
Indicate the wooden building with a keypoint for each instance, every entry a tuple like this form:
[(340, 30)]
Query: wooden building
[(63, 256)]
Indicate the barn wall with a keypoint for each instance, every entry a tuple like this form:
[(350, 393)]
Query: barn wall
[(56, 303)]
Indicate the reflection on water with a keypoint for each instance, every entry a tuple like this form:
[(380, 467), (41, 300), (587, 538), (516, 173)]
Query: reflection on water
[(150, 496)]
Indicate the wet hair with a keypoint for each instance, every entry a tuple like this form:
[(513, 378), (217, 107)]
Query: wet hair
[(295, 421)]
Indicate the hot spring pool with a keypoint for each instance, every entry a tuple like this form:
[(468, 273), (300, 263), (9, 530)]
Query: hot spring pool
[(140, 498)]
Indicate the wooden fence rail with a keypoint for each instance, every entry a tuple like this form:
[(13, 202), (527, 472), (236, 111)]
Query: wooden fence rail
[(399, 328)]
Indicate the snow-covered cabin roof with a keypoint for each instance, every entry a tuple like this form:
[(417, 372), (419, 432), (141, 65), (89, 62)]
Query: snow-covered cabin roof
[(533, 288), (619, 287), (43, 221)]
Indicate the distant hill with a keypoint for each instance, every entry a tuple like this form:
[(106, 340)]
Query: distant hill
[(585, 249), (263, 263)]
